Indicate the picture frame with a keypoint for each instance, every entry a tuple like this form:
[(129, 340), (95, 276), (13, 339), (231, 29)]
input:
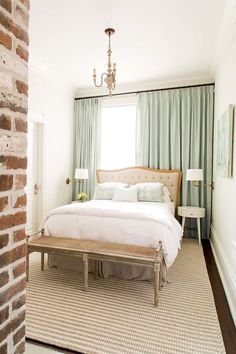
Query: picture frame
[(225, 143)]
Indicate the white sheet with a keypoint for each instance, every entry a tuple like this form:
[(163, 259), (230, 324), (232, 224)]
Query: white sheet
[(141, 223)]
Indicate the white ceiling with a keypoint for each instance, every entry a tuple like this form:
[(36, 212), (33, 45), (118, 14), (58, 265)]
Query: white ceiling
[(157, 40)]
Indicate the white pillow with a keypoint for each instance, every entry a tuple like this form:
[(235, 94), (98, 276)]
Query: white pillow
[(150, 192), (105, 191), (166, 195), (126, 194)]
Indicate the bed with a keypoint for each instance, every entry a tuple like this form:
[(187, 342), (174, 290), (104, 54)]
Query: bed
[(137, 223)]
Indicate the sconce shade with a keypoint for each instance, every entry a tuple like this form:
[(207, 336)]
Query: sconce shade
[(194, 175), (81, 173)]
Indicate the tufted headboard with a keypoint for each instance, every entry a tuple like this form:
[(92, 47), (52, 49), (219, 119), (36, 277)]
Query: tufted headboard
[(132, 175)]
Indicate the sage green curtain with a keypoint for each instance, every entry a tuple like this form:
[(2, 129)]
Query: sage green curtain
[(175, 131), (87, 116)]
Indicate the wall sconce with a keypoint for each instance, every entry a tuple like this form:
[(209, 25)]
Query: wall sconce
[(80, 175), (196, 177)]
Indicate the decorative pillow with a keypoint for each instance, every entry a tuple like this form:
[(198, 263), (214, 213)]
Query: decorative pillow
[(150, 192), (105, 190), (126, 194), (166, 195)]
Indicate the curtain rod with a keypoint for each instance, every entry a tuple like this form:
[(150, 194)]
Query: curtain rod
[(136, 92)]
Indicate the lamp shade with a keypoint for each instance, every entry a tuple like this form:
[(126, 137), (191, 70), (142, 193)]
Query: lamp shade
[(194, 175), (81, 173)]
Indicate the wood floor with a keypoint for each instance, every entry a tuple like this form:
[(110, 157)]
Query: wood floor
[(226, 322)]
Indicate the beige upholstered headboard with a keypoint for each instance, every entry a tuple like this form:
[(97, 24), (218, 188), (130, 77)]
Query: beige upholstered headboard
[(132, 175)]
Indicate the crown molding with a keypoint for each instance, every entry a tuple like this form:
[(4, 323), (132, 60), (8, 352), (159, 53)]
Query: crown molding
[(226, 37), (148, 85)]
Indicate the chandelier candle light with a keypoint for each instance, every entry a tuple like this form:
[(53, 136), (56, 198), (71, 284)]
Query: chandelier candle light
[(110, 78)]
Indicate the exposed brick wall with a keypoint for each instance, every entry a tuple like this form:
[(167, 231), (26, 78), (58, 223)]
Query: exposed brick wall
[(14, 40)]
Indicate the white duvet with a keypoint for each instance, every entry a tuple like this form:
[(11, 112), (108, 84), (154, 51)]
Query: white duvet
[(141, 223)]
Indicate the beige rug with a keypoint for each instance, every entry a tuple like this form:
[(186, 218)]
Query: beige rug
[(117, 316)]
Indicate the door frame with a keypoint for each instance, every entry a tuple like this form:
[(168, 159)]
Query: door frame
[(41, 120)]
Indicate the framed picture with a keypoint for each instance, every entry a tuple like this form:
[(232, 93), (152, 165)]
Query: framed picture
[(225, 143)]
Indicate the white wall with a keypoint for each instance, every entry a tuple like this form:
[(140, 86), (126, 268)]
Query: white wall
[(224, 198), (56, 103)]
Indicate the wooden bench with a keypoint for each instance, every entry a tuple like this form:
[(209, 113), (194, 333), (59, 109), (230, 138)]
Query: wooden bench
[(98, 250)]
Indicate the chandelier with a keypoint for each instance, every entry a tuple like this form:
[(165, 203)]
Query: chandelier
[(110, 75)]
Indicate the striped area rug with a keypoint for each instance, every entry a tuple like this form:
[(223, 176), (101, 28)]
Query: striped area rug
[(117, 316)]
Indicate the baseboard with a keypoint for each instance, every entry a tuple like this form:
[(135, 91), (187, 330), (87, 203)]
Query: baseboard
[(226, 272)]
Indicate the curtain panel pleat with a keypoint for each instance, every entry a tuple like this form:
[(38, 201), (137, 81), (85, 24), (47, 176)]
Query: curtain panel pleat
[(175, 131), (87, 128)]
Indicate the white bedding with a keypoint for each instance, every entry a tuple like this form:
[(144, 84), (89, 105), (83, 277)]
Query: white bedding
[(141, 223)]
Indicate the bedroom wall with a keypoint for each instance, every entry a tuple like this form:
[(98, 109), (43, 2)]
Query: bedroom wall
[(54, 102), (224, 198)]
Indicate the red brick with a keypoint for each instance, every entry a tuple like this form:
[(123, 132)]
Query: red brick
[(19, 269), (6, 4), (3, 349), (19, 235), (19, 335), (6, 182), (20, 181), (23, 54), (12, 291), (5, 121), (5, 40), (12, 255), (20, 348), (4, 278), (9, 101), (3, 204), (8, 221), (18, 32), (22, 87), (21, 125), (19, 302), (11, 326), (4, 239), (4, 314), (22, 15), (21, 201), (13, 162)]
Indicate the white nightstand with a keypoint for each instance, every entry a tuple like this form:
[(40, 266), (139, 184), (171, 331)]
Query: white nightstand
[(192, 212)]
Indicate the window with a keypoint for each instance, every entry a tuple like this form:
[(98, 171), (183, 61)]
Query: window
[(118, 136)]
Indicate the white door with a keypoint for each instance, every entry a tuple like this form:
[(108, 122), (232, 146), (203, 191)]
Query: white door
[(32, 187)]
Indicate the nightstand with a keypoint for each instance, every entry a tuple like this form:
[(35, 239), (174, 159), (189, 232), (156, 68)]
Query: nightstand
[(192, 212)]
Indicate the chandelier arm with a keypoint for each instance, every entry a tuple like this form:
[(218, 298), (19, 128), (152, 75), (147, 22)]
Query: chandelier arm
[(101, 80)]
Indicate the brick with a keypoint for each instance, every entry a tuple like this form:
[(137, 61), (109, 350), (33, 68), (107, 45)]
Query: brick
[(20, 181), (6, 295), (11, 326), (22, 87), (26, 3), (13, 162), (6, 182), (13, 103), (19, 335), (4, 239), (4, 314), (21, 125), (6, 4), (19, 270), (5, 122), (19, 302), (23, 54), (5, 40), (19, 235), (3, 349), (8, 221), (3, 204), (12, 27), (20, 348), (12, 255), (13, 144), (4, 278), (22, 16), (20, 201)]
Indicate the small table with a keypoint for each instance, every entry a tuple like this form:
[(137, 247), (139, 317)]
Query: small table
[(192, 212)]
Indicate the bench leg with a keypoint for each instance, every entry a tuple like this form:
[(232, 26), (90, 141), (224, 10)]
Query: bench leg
[(156, 283), (85, 259), (42, 261), (96, 268)]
